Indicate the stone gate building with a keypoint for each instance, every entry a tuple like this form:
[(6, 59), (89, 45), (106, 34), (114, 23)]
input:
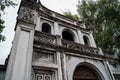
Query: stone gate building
[(50, 46)]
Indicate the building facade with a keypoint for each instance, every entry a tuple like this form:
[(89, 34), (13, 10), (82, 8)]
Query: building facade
[(50, 46)]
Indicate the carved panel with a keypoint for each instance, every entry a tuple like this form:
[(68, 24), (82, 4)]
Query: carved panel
[(42, 57), (43, 77), (39, 77), (78, 47), (27, 15), (44, 74), (41, 37)]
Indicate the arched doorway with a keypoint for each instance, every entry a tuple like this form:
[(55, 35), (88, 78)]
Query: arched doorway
[(46, 28), (85, 73), (86, 40), (68, 35)]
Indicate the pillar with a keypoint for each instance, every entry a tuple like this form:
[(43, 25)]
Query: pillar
[(20, 62)]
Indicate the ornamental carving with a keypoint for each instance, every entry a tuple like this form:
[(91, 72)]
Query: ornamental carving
[(39, 77), (44, 74), (43, 77), (78, 47), (27, 15), (45, 38), (47, 77), (40, 57)]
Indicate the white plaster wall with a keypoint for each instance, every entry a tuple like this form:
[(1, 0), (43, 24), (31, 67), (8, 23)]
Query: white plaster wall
[(20, 58), (56, 29), (72, 62), (80, 36), (38, 27)]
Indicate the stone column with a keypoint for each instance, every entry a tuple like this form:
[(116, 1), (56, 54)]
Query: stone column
[(108, 71), (63, 66), (59, 66), (92, 40), (80, 36), (56, 28), (20, 62), (38, 26), (19, 66)]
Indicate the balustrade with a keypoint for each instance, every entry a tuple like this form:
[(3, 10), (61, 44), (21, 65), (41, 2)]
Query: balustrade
[(46, 38), (78, 47)]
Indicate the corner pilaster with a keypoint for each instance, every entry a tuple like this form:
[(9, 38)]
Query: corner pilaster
[(19, 66)]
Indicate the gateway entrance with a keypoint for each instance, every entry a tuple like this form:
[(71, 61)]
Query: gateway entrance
[(84, 73)]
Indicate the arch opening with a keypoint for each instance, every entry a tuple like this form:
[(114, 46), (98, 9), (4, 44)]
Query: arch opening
[(86, 40), (85, 73), (68, 35), (46, 28)]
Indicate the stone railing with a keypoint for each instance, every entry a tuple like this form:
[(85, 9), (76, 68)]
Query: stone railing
[(44, 38), (79, 47)]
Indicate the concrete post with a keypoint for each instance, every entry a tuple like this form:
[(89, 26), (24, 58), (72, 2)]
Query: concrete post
[(80, 36), (63, 66), (92, 40), (19, 66), (56, 28)]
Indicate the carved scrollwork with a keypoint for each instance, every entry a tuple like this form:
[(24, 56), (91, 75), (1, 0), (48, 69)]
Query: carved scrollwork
[(44, 38), (39, 77), (43, 58), (27, 15), (47, 77), (79, 47), (43, 77)]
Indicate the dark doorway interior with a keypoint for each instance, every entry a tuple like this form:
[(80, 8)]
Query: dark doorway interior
[(84, 73), (67, 35), (86, 40), (46, 28)]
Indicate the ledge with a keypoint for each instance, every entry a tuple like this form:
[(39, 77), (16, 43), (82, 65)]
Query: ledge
[(47, 41)]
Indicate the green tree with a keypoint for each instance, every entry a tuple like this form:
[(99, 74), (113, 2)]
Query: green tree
[(70, 15), (104, 17), (4, 4)]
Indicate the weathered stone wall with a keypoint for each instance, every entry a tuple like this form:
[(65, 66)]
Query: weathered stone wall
[(2, 75)]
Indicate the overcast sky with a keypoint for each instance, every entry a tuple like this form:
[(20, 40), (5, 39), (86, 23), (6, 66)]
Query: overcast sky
[(10, 20)]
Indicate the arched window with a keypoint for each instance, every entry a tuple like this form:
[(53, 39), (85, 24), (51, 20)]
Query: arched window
[(86, 40), (46, 28), (67, 35)]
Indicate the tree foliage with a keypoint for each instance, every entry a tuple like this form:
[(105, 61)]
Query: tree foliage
[(3, 5), (71, 16), (104, 17)]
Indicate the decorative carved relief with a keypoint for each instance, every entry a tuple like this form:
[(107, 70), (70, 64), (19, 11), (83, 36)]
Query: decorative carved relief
[(27, 15), (79, 47), (47, 77), (39, 77), (43, 77), (44, 74), (47, 58), (44, 38)]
